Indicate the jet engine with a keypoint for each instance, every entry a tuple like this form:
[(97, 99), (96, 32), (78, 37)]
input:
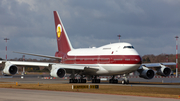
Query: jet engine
[(146, 73), (10, 69), (164, 71), (57, 71)]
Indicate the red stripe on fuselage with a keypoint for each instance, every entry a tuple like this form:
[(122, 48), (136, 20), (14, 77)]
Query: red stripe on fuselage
[(102, 59)]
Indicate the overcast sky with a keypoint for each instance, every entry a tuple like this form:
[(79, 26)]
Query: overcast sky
[(149, 25)]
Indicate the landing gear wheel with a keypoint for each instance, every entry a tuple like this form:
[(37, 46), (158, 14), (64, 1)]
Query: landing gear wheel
[(96, 80), (81, 80), (73, 81), (125, 81), (113, 81), (70, 80)]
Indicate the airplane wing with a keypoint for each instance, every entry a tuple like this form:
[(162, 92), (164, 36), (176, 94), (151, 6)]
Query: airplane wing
[(10, 67), (39, 55), (161, 69), (65, 66), (158, 64)]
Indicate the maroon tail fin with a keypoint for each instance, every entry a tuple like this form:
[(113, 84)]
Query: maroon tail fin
[(63, 42)]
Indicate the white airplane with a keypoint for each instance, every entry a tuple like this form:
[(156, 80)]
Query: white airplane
[(108, 60)]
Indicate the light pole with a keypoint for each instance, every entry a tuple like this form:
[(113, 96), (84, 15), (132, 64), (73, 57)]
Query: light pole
[(176, 56), (23, 68), (119, 37), (6, 39), (167, 56)]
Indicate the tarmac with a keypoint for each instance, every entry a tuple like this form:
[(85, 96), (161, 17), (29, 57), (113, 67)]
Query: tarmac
[(34, 79), (8, 94)]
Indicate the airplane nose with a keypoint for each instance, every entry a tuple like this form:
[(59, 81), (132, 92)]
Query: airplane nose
[(140, 60)]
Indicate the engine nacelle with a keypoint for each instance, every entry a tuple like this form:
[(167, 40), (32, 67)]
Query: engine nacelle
[(10, 69), (146, 73), (57, 72), (164, 71)]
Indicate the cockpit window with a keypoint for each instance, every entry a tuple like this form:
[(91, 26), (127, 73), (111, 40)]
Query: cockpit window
[(129, 47)]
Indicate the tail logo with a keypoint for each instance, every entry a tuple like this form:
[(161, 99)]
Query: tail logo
[(59, 30)]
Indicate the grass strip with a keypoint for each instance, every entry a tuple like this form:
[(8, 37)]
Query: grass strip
[(104, 89)]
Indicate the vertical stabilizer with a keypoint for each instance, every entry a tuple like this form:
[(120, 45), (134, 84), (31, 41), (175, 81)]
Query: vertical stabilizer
[(63, 42)]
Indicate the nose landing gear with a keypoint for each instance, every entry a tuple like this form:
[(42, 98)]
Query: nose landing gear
[(125, 79)]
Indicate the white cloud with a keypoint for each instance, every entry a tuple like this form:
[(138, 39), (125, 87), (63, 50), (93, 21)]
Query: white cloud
[(31, 3)]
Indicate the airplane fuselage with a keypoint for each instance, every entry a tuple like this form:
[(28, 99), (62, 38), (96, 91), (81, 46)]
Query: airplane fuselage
[(113, 59)]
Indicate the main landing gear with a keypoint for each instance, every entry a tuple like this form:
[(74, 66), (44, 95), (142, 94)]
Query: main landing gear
[(115, 81), (112, 80), (95, 80), (77, 80), (73, 80)]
